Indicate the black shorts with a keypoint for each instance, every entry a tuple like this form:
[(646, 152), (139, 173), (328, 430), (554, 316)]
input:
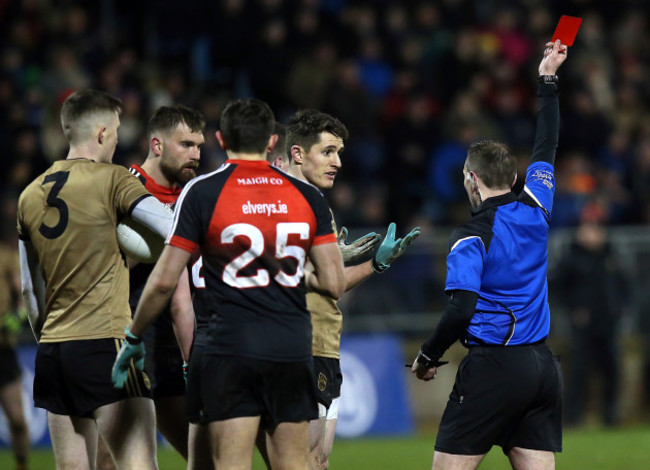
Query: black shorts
[(73, 378), (194, 403), (164, 365), (327, 372), (279, 392), (506, 396), (9, 366)]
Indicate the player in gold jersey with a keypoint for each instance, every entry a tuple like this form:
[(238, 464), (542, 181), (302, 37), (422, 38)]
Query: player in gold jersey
[(314, 143), (76, 288), (11, 320)]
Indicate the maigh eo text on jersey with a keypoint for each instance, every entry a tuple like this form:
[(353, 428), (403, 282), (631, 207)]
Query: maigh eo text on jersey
[(260, 180), (265, 208)]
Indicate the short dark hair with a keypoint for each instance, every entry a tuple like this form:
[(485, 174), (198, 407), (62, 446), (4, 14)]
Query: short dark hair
[(166, 118), (493, 162), (306, 126), (280, 149), (246, 125), (84, 102)]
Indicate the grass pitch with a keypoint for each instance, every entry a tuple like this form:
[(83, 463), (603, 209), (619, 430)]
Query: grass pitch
[(593, 449)]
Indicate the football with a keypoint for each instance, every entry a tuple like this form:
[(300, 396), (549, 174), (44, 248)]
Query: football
[(139, 242)]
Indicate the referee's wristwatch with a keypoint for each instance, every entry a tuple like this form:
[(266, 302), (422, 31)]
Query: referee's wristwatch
[(548, 79), (425, 361)]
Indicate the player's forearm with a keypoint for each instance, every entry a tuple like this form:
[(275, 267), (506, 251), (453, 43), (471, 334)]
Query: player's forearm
[(452, 325), (155, 298), (548, 124), (182, 312), (160, 287), (154, 214), (36, 320), (183, 324), (32, 288), (325, 274), (355, 275), (325, 284)]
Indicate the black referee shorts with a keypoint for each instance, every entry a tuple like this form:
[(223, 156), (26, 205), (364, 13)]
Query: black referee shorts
[(507, 396), (73, 378)]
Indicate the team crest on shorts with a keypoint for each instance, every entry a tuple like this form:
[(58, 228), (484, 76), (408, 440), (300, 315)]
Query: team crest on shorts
[(145, 379), (322, 382)]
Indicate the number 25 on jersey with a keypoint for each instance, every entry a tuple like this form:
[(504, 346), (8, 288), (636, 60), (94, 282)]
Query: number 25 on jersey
[(262, 278)]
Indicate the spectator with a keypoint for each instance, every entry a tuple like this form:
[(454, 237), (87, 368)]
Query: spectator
[(589, 282), (12, 316)]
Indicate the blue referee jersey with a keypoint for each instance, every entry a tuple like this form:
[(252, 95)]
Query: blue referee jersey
[(501, 254)]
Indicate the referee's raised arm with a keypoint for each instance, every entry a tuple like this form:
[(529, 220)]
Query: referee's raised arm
[(548, 108)]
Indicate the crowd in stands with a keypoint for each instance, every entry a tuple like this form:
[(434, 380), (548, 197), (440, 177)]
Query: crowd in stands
[(414, 81)]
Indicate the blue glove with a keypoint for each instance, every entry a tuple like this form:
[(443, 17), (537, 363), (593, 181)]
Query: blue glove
[(132, 349), (391, 249), (185, 366), (352, 252)]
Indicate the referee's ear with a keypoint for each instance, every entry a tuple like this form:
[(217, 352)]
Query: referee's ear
[(472, 177), (514, 180)]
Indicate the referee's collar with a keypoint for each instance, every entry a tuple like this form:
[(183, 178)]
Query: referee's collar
[(495, 201)]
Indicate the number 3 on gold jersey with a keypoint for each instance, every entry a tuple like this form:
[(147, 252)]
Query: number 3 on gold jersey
[(59, 179), (261, 278)]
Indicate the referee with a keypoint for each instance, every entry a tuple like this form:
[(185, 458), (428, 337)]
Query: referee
[(508, 389)]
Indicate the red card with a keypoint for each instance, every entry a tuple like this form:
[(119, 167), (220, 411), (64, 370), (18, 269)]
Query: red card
[(567, 29)]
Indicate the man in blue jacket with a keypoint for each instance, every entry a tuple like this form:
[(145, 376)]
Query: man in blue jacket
[(508, 389)]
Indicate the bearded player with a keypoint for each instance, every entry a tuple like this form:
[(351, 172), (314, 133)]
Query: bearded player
[(175, 141)]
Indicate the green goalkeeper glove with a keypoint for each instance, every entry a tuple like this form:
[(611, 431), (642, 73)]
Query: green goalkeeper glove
[(132, 349), (391, 249), (352, 252)]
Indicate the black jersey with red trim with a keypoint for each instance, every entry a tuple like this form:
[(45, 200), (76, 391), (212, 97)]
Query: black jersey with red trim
[(254, 225), (161, 331)]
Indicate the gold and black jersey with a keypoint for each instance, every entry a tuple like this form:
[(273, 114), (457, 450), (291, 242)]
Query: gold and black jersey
[(326, 321), (69, 213), (9, 268)]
